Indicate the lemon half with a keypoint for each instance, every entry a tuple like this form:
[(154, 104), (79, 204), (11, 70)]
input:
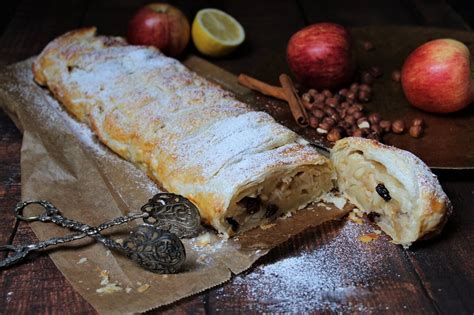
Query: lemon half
[(216, 33)]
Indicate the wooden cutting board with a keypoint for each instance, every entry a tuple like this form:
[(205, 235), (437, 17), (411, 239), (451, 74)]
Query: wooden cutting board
[(448, 140)]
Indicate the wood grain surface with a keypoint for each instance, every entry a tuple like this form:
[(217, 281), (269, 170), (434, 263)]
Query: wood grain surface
[(432, 277)]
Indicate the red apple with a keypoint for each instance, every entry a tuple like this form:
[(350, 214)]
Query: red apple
[(160, 25), (436, 77), (320, 55)]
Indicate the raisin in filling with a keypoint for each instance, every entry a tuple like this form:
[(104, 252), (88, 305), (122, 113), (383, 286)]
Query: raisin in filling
[(383, 192), (272, 209), (233, 223), (252, 205)]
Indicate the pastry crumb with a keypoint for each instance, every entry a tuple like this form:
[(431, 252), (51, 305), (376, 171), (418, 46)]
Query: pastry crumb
[(203, 239), (143, 288), (335, 199), (369, 237), (104, 275), (107, 286), (354, 217), (82, 260), (267, 226), (289, 214)]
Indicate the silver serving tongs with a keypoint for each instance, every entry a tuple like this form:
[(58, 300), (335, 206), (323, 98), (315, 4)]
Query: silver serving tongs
[(155, 244)]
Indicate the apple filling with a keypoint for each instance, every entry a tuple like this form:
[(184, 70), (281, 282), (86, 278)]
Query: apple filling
[(369, 186), (279, 194)]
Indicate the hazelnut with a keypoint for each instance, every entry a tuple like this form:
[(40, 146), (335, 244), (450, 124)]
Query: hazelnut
[(359, 106), (324, 126), (368, 46), (364, 96), (354, 87), (330, 121), (306, 97), (334, 135), (375, 118), (313, 122), (332, 102), (320, 106), (376, 72), (352, 109), (345, 105), (396, 76), (398, 126), (319, 98), (318, 113), (350, 119), (358, 133), (329, 111), (312, 92), (307, 105), (351, 96), (417, 122), (386, 125), (343, 92), (357, 114), (415, 131), (327, 93)]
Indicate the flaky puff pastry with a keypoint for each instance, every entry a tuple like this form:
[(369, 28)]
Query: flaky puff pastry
[(397, 186), (240, 167)]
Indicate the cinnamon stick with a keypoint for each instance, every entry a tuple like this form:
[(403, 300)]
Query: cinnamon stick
[(296, 106), (262, 87)]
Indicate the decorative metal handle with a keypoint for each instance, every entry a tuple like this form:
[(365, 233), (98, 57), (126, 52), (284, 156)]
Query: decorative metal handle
[(173, 213), (155, 245)]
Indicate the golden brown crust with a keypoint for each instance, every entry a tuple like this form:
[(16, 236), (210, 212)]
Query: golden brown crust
[(187, 133)]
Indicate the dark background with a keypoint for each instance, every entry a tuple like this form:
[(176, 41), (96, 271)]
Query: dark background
[(446, 263)]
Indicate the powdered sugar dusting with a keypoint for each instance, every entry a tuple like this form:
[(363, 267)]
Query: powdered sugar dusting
[(318, 279), (58, 121)]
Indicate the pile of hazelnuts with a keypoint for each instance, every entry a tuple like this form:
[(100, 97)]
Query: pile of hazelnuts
[(342, 114)]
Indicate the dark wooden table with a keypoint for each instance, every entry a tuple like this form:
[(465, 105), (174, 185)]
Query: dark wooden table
[(440, 273)]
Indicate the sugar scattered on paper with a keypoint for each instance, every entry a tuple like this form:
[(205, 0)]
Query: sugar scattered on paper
[(317, 279)]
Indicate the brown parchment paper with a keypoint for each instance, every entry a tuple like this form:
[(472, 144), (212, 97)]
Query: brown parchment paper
[(61, 161)]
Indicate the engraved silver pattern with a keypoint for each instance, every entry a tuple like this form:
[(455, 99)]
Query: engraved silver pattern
[(155, 245)]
